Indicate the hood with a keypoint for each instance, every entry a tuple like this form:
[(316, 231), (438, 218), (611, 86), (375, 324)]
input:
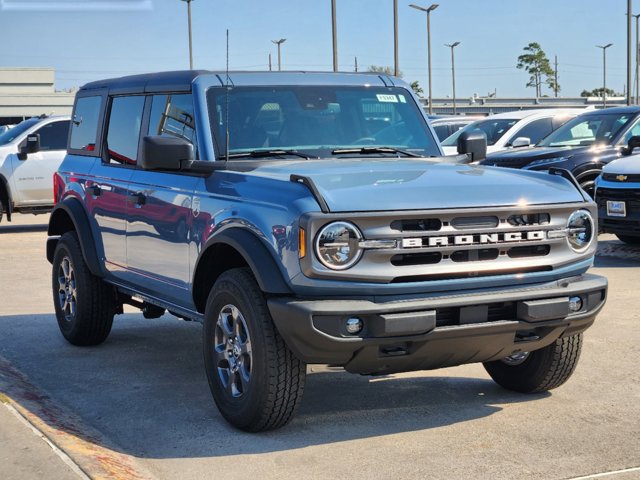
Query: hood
[(391, 184), (626, 165)]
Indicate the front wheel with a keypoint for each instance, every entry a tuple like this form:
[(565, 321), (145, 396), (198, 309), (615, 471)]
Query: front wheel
[(540, 370), (256, 381)]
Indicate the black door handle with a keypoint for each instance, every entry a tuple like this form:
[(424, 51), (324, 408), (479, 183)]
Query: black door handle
[(95, 190)]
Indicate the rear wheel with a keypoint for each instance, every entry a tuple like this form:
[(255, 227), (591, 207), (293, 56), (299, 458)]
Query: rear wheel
[(256, 381), (540, 370), (630, 239), (84, 304)]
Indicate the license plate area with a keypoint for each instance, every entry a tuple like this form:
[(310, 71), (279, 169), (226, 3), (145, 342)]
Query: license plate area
[(616, 208)]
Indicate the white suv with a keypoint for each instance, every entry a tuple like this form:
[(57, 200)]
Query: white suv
[(521, 128), (30, 153)]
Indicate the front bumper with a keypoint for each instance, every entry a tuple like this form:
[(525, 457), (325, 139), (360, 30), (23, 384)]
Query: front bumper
[(438, 330)]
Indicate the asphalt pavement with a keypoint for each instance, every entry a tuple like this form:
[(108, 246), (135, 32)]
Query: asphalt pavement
[(139, 405)]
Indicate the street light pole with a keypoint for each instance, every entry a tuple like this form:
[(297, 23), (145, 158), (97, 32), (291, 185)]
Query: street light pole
[(453, 72), (637, 45), (604, 72), (428, 10), (334, 35), (396, 63), (190, 42), (278, 43)]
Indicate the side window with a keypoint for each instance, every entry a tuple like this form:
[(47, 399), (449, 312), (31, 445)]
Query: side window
[(536, 130), (84, 124), (53, 136), (632, 132), (172, 115), (123, 133)]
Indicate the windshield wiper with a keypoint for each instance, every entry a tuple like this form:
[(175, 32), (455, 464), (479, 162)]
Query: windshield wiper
[(368, 150), (270, 153)]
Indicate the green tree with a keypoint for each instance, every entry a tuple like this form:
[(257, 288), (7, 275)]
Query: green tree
[(535, 62), (417, 88), (597, 92), (384, 70)]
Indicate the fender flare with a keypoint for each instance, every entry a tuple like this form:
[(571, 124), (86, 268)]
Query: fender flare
[(71, 210), (255, 254), (5, 198)]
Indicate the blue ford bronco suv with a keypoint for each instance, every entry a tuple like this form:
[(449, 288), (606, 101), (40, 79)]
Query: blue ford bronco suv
[(309, 218)]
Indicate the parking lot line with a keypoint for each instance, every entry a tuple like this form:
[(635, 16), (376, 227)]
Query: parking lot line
[(66, 433), (607, 474)]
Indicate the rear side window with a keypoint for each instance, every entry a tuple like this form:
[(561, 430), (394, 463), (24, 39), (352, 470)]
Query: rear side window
[(84, 125), (53, 136), (123, 133)]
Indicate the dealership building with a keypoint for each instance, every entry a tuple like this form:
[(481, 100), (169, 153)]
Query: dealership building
[(29, 92)]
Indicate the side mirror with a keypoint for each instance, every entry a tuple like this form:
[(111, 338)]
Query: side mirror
[(634, 142), (473, 144), (30, 145), (165, 153), (521, 142)]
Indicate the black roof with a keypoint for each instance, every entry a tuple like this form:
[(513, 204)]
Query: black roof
[(149, 82)]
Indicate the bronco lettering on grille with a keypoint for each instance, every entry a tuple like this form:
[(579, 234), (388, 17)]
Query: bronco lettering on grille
[(475, 239)]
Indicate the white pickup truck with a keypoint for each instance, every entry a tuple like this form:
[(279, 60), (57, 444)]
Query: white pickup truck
[(30, 153)]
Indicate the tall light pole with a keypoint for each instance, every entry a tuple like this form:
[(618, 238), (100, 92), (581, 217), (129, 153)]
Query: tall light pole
[(637, 45), (334, 35), (629, 10), (453, 72), (278, 43), (428, 10), (604, 72), (396, 62), (190, 43)]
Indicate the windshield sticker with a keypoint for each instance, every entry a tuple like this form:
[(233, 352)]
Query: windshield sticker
[(402, 99), (387, 98)]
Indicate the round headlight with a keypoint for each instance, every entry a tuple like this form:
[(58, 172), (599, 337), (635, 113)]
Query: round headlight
[(580, 230), (337, 245)]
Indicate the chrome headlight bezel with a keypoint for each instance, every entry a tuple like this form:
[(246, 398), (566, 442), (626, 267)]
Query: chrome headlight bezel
[(580, 220), (355, 237)]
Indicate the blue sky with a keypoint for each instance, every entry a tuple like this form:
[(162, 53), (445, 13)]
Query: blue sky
[(85, 44)]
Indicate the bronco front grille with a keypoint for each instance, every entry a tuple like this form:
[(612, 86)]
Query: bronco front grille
[(415, 246)]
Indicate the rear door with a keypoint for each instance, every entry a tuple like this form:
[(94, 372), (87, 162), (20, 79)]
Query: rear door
[(33, 177), (159, 215)]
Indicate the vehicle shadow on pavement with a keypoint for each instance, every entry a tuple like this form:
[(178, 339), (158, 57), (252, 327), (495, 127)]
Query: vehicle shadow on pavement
[(613, 253), (145, 391)]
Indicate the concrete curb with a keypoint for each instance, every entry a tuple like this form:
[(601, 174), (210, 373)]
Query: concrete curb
[(84, 449)]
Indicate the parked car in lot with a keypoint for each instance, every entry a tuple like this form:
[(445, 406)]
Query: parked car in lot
[(583, 145), (316, 229), (521, 128), (29, 155), (446, 126), (617, 193)]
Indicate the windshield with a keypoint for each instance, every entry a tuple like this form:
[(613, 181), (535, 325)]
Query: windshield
[(588, 130), (494, 129), (319, 121), (13, 133)]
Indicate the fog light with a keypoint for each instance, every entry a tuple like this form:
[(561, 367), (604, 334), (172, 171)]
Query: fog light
[(575, 304), (354, 325)]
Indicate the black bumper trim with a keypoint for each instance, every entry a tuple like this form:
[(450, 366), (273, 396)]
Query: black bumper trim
[(433, 347)]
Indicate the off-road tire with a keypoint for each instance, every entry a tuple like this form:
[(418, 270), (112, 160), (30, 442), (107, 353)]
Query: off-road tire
[(276, 378), (629, 239), (89, 321), (542, 370)]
